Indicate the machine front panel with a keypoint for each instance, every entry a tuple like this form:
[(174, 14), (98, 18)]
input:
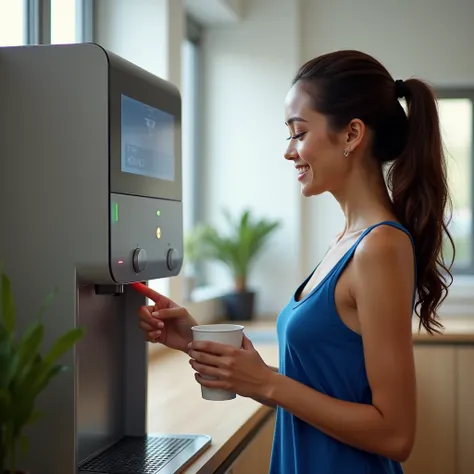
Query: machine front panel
[(145, 238), (145, 134)]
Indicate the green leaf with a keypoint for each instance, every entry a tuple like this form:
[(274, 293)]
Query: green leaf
[(29, 345), (46, 303), (24, 373), (24, 389), (46, 376), (5, 406), (35, 416), (24, 444), (7, 363), (23, 412), (8, 306), (62, 345)]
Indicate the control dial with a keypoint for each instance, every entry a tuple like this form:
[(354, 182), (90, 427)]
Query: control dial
[(139, 260), (172, 259)]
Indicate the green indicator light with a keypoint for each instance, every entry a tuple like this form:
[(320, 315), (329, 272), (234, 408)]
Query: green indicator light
[(115, 214), (158, 213)]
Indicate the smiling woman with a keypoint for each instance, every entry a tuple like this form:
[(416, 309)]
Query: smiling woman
[(345, 391)]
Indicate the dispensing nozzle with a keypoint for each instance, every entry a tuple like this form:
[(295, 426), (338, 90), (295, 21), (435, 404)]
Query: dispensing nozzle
[(115, 290)]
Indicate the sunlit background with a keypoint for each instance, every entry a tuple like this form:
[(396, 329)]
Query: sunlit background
[(233, 61), (233, 70)]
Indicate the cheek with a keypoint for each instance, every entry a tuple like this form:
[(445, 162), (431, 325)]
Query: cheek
[(317, 151)]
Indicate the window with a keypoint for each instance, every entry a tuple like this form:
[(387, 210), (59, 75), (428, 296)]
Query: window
[(12, 22), (189, 139), (189, 93), (457, 129), (63, 21), (71, 21), (21, 22)]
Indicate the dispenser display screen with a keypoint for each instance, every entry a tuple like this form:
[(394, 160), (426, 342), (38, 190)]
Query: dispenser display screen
[(147, 140)]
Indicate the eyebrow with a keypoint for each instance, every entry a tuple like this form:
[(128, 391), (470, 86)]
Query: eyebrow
[(294, 119)]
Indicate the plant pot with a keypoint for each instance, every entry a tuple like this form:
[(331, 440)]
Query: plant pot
[(239, 306)]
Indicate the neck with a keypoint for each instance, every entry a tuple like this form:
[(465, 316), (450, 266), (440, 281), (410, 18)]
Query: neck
[(364, 199)]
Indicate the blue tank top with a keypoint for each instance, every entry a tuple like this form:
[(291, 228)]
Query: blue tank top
[(320, 351)]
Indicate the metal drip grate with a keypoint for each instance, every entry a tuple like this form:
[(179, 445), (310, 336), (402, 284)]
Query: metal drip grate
[(147, 455)]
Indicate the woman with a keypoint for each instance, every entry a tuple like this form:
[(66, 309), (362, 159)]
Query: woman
[(345, 390)]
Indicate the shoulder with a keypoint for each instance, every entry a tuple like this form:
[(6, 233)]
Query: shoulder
[(384, 277), (385, 254), (384, 246)]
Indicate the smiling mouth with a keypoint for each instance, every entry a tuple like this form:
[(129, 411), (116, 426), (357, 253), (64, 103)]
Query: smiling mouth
[(302, 170)]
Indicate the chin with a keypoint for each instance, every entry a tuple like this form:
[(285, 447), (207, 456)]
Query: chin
[(312, 190)]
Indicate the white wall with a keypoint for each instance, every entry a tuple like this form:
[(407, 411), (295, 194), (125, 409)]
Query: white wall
[(248, 68), (247, 72), (150, 33), (137, 31), (428, 38)]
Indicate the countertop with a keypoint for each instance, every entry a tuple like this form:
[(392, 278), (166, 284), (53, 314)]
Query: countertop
[(456, 331), (175, 404)]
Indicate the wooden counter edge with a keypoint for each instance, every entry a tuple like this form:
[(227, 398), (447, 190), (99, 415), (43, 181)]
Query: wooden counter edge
[(212, 460), (219, 461), (452, 338)]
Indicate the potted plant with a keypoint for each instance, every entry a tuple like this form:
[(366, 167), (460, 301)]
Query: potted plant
[(24, 374), (238, 250)]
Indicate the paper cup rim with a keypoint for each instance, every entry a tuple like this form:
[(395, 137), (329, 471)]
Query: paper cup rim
[(217, 328)]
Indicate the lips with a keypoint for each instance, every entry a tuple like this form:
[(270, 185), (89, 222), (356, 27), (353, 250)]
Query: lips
[(302, 170)]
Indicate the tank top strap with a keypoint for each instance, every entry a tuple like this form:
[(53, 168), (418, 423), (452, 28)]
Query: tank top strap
[(350, 253)]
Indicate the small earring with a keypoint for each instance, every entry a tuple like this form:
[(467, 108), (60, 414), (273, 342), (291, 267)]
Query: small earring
[(346, 153)]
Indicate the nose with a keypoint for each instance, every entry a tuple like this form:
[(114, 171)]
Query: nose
[(290, 153)]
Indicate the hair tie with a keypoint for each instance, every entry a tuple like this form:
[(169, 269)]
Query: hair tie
[(400, 88)]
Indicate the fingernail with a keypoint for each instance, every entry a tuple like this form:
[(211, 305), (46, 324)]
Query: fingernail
[(155, 314), (160, 325), (157, 333), (190, 345)]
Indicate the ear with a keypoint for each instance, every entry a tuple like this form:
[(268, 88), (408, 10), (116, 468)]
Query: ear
[(355, 133)]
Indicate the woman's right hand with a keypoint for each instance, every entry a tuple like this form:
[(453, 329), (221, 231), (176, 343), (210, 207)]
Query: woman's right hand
[(165, 322)]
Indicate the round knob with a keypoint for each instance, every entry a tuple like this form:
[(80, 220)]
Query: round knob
[(172, 259), (139, 260)]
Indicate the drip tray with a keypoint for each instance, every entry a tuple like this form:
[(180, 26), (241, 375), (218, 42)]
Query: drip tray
[(152, 454)]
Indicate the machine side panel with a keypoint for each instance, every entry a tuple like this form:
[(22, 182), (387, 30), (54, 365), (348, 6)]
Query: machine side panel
[(112, 371), (54, 209)]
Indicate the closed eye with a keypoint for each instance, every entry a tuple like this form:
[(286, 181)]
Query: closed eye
[(297, 136)]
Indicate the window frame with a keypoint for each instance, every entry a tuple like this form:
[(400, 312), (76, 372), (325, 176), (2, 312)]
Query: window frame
[(38, 21), (193, 34), (177, 290), (463, 93)]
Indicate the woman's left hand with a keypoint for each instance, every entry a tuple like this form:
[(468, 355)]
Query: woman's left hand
[(238, 370)]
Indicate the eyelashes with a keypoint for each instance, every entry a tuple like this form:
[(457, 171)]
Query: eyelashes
[(297, 136)]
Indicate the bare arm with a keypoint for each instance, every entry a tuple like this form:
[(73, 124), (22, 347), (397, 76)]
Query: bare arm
[(382, 291), (264, 401)]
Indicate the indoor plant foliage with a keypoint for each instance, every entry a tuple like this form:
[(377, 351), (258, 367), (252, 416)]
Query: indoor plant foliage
[(24, 374), (238, 249)]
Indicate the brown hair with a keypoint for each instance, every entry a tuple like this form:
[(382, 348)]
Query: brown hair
[(349, 84)]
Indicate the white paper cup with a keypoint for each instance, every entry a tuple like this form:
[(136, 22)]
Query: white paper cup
[(229, 334)]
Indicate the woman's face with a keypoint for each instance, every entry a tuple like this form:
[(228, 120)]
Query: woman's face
[(318, 157)]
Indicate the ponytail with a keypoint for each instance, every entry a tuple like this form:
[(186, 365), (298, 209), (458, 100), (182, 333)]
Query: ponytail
[(419, 188), (349, 84)]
